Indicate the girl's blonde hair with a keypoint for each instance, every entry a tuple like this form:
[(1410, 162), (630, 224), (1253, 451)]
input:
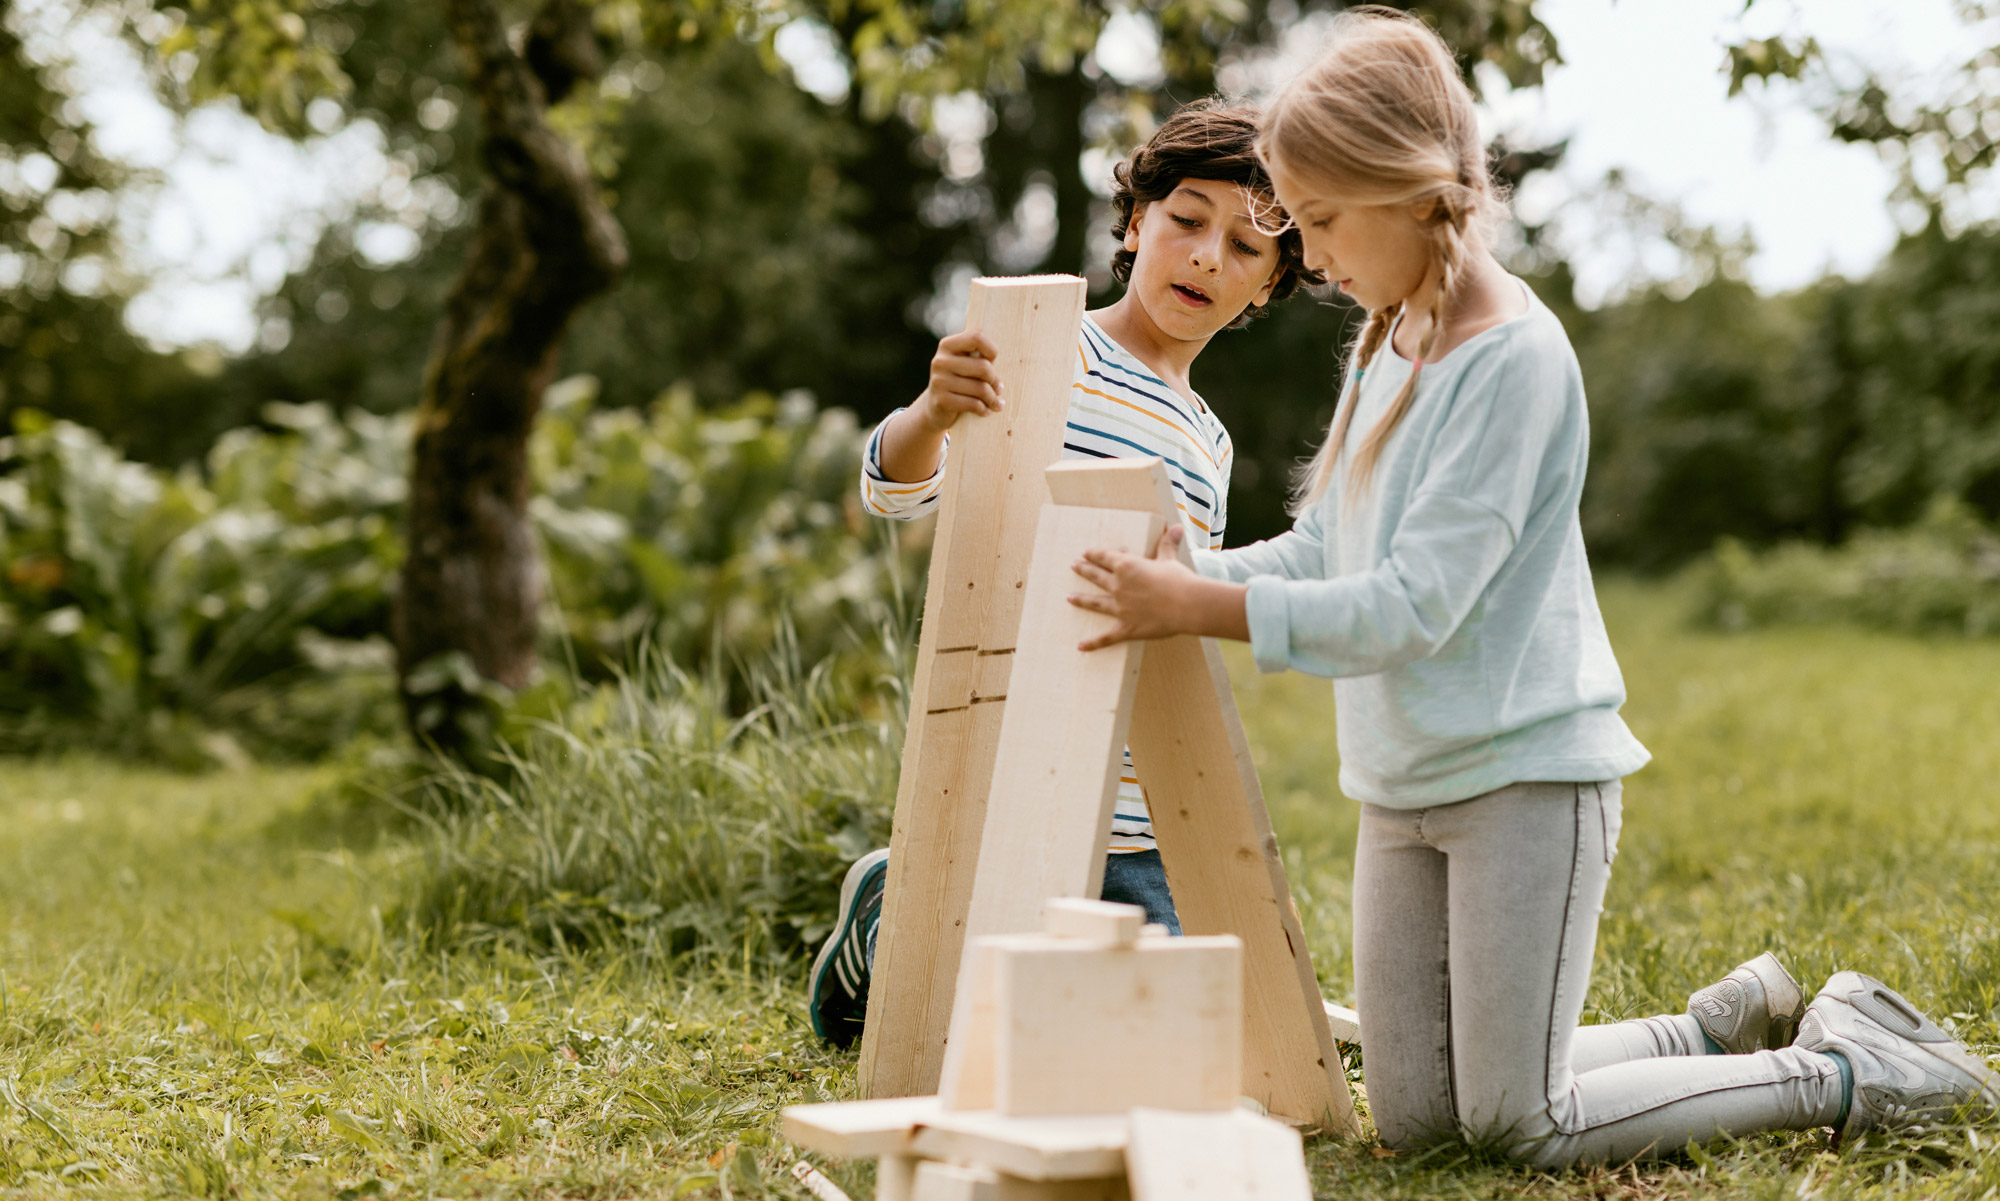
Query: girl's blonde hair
[(1383, 117)]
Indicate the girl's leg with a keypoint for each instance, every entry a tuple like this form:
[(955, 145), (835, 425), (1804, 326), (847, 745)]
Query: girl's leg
[(1528, 868), (1401, 978), (1662, 1037)]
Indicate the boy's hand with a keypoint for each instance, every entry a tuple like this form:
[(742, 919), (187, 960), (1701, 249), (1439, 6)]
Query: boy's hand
[(1144, 594), (963, 380)]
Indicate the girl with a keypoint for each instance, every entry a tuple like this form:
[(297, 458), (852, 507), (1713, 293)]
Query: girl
[(1437, 571)]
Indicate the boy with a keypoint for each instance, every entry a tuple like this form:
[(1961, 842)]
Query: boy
[(1192, 209)]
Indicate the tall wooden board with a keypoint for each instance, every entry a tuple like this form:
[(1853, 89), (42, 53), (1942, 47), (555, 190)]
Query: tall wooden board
[(1215, 837), (991, 497)]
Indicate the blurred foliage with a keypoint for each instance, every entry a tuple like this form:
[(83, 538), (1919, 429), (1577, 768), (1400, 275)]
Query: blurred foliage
[(1717, 411), (64, 347), (1939, 576), (191, 615)]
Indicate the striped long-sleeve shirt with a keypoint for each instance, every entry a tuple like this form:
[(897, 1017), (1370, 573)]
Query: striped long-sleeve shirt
[(1118, 409)]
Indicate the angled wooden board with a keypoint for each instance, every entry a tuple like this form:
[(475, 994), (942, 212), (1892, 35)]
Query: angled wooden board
[(1055, 773), (991, 497), (1215, 839)]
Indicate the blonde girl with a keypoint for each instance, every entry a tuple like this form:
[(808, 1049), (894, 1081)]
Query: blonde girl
[(1437, 572)]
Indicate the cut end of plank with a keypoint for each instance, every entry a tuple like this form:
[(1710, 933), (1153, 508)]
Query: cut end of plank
[(1025, 281), (1098, 921)]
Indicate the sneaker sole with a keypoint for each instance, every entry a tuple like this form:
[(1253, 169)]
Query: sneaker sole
[(850, 884)]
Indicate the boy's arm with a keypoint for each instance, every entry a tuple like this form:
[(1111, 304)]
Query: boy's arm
[(903, 465)]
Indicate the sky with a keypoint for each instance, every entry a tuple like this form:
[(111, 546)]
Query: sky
[(1641, 90)]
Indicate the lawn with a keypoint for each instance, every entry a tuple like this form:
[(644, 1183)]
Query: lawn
[(204, 988)]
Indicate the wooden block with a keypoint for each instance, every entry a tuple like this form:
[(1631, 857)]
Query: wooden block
[(1084, 1028), (1345, 1023), (1137, 483), (1236, 1156), (991, 497), (1085, 1147), (896, 1178), (1098, 921), (858, 1129), (966, 1082), (1216, 842), (961, 1182)]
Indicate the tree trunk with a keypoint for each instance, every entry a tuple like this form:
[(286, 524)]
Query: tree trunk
[(544, 244)]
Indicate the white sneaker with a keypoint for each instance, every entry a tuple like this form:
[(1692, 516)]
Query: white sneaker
[(1906, 1070), (1754, 1008)]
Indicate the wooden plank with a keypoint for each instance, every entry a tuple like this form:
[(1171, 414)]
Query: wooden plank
[(1107, 922), (858, 1129), (1216, 843), (1055, 772), (1101, 1029), (1055, 776), (1234, 1156), (1061, 1148), (985, 533), (963, 1182), (1222, 863), (1344, 1022)]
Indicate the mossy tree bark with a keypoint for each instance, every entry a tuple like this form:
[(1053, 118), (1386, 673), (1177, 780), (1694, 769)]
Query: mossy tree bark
[(544, 243)]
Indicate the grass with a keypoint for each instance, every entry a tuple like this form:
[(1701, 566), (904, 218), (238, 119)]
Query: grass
[(200, 993)]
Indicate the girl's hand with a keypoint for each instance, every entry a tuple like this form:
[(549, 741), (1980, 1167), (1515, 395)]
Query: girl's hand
[(963, 380), (1145, 595)]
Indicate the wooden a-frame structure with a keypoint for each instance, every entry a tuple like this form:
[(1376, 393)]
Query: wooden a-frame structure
[(1013, 752)]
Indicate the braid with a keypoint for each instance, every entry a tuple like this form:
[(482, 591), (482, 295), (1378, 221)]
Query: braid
[(1448, 236), (1313, 480)]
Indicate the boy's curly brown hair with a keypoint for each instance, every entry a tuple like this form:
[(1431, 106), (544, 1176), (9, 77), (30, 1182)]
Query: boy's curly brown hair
[(1204, 139)]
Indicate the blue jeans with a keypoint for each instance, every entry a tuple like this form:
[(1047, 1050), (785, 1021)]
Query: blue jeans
[(1138, 878)]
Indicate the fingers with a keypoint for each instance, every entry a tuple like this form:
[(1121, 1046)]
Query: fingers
[(1169, 546), (1111, 638), (1096, 602), (970, 342), (963, 366), (1102, 576)]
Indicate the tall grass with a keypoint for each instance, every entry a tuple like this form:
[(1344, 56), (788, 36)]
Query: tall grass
[(654, 818)]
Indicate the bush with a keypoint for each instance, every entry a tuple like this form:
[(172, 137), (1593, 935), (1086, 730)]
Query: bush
[(652, 818), (172, 614), (1941, 576)]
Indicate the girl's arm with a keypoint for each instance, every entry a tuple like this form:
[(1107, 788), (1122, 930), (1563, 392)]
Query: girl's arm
[(1466, 515), (1295, 554)]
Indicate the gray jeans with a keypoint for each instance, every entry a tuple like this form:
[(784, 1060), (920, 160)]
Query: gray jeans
[(1474, 925)]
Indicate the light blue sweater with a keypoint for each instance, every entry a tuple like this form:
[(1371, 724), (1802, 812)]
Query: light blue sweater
[(1453, 602)]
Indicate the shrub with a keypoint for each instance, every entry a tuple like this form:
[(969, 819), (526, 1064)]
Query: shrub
[(652, 818), (1941, 576), (152, 612)]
